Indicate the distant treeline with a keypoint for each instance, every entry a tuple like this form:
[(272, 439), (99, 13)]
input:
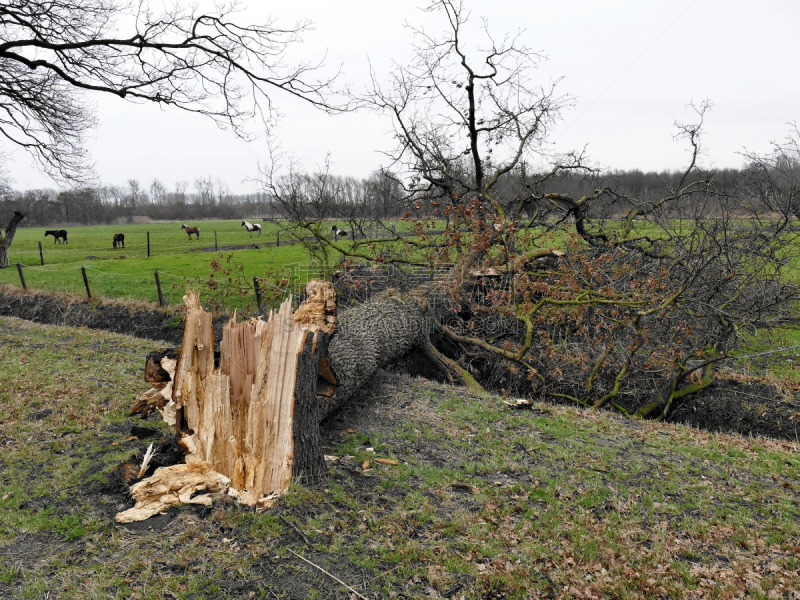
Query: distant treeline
[(378, 196)]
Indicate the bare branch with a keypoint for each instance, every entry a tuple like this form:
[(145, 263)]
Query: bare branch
[(208, 64)]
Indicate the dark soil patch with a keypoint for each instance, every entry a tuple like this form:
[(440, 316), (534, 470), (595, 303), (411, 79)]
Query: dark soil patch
[(746, 408), (137, 320)]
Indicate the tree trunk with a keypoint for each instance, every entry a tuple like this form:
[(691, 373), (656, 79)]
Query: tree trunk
[(255, 418), (5, 241)]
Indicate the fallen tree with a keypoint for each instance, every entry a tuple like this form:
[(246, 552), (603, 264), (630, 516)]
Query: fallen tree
[(561, 283), (253, 413)]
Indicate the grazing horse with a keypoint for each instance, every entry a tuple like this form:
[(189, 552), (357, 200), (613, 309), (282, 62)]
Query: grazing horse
[(58, 234), (191, 230), (251, 227), (119, 240), (337, 233)]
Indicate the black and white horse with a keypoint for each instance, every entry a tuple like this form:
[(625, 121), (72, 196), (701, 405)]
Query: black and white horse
[(251, 227), (191, 230), (337, 233), (119, 240), (58, 234)]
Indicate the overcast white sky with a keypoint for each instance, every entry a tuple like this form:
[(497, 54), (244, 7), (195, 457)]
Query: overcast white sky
[(632, 66)]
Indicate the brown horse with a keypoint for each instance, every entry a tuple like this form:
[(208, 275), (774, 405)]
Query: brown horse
[(119, 240), (58, 234), (191, 230)]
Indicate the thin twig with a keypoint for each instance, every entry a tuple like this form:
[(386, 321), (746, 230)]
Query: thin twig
[(775, 351), (293, 526), (326, 573)]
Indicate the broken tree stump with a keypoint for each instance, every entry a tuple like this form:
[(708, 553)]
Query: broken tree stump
[(255, 417), (159, 371), (251, 417)]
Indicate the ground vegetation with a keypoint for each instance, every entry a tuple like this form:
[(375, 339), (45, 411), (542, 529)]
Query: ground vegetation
[(431, 492)]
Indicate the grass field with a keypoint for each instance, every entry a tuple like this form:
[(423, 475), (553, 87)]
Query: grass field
[(129, 274), (484, 503)]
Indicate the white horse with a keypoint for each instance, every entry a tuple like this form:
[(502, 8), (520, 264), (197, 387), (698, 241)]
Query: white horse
[(251, 227), (337, 233)]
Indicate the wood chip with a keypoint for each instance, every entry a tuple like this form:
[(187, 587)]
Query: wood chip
[(365, 466), (518, 403), (146, 461), (387, 461), (170, 486)]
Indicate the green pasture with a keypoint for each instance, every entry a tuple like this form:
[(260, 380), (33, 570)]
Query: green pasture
[(130, 275), (95, 242)]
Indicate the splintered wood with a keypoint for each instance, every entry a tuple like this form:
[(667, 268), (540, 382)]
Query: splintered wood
[(251, 421), (242, 414), (319, 308), (170, 486), (160, 372)]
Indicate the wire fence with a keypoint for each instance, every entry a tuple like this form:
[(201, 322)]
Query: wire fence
[(254, 295), (226, 290)]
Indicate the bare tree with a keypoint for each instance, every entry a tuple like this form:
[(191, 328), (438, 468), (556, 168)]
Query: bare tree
[(772, 180), (205, 191), (466, 116), (158, 193), (8, 236), (179, 195), (601, 298), (40, 205), (53, 52)]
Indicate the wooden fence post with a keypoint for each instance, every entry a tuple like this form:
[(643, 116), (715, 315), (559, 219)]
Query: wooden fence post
[(86, 282), (148, 244), (258, 295), (215, 240), (21, 278), (160, 295), (41, 256), (277, 240)]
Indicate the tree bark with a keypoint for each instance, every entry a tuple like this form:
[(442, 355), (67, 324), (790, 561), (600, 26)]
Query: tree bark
[(5, 240), (369, 337)]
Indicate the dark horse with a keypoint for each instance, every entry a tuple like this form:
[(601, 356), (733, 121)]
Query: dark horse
[(58, 234), (191, 230), (119, 240)]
